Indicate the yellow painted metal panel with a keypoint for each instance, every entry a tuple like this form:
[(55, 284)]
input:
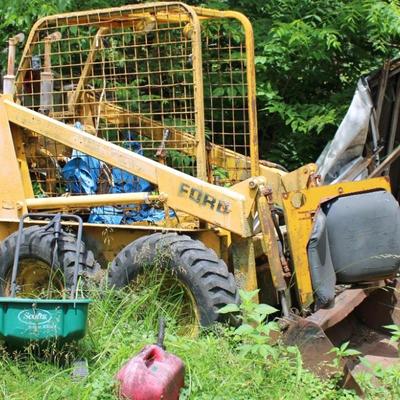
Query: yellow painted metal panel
[(220, 206), (300, 207), (12, 193)]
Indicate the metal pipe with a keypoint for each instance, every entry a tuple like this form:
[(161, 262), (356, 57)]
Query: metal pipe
[(284, 305), (161, 332), (73, 293), (12, 44), (385, 164), (382, 90), (395, 120), (375, 134), (46, 77), (16, 257), (8, 80), (269, 238), (55, 36), (161, 153), (48, 203)]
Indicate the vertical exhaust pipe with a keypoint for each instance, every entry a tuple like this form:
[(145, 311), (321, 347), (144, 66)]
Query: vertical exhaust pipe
[(9, 79), (46, 77)]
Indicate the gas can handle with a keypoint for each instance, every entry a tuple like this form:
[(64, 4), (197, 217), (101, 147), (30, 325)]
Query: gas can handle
[(151, 354)]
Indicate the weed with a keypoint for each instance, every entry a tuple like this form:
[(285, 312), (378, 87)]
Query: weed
[(122, 322), (253, 334), (342, 352), (380, 383), (395, 331)]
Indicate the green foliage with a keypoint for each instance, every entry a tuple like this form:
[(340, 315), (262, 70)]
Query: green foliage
[(309, 55), (18, 16), (342, 352), (221, 176), (38, 190), (395, 330), (181, 161), (253, 334), (379, 382)]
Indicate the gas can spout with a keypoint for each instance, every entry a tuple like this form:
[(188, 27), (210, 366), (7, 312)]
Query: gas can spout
[(161, 333)]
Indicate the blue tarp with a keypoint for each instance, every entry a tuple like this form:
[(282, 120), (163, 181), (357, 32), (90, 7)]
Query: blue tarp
[(124, 182), (115, 216), (82, 174), (82, 171), (106, 215)]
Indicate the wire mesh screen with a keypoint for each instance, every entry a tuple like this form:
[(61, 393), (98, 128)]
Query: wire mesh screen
[(128, 75), (127, 78), (225, 97)]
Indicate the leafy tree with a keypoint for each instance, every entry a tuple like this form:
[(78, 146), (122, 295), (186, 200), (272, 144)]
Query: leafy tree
[(309, 55), (19, 15)]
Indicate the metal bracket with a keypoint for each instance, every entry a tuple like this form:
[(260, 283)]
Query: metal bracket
[(56, 223)]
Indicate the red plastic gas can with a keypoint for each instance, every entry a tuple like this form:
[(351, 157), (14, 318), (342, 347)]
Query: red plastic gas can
[(153, 374)]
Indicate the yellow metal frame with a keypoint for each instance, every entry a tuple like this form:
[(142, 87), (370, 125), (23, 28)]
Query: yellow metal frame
[(194, 16), (300, 207), (251, 77)]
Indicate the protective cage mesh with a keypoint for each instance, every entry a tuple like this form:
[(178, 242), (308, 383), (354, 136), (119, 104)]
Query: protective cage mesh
[(128, 75)]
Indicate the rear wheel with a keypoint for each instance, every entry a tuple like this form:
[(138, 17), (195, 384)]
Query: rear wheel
[(185, 270), (38, 274)]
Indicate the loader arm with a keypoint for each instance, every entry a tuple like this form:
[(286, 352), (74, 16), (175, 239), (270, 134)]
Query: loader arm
[(219, 206)]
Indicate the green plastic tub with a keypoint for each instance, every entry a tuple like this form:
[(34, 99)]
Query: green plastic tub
[(26, 320)]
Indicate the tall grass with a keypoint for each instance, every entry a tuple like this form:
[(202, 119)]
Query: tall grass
[(122, 322)]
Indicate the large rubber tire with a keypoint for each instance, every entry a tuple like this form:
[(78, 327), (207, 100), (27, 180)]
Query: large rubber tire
[(37, 244), (197, 267)]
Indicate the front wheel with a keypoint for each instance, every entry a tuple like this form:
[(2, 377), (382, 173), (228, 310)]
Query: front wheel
[(38, 274), (187, 266)]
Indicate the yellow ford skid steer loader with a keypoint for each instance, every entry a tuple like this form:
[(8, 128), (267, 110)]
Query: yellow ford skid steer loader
[(142, 120)]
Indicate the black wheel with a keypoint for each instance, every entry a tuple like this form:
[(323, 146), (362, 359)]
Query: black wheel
[(38, 274), (203, 278)]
